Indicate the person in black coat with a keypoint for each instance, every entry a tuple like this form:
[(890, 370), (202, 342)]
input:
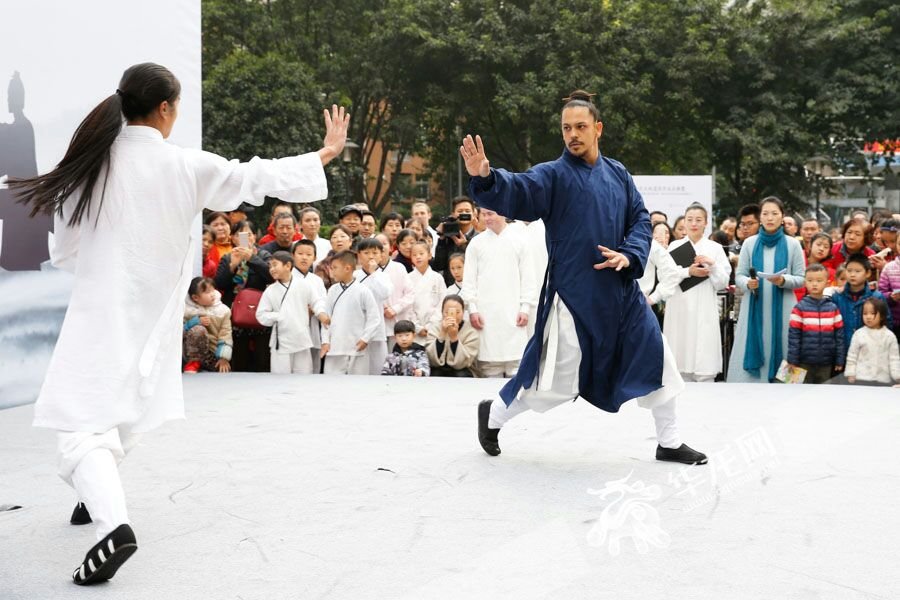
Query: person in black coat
[(245, 267)]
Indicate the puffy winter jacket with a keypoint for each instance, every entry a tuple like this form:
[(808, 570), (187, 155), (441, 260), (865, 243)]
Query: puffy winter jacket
[(816, 334), (890, 283), (851, 310), (874, 356)]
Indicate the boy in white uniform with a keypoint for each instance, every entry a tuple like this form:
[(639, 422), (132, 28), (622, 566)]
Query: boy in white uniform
[(354, 320), (370, 275), (285, 307), (305, 253)]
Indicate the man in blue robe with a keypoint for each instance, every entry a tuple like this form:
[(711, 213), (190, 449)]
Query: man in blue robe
[(595, 335)]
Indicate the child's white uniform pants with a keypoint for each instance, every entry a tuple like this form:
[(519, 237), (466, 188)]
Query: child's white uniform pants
[(89, 462), (377, 352), (294, 362), (342, 364), (557, 381)]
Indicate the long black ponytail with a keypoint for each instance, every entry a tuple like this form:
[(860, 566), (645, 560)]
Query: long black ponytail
[(143, 88)]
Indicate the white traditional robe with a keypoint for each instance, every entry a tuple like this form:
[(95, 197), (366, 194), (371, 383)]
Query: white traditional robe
[(402, 296), (285, 308), (691, 325), (429, 289), (118, 357), (379, 283), (381, 287), (323, 247), (354, 316), (535, 236), (661, 270), (499, 283), (319, 294)]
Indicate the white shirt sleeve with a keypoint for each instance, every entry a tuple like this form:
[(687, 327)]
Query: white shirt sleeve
[(528, 286), (265, 312), (668, 275), (223, 184), (469, 291), (372, 311)]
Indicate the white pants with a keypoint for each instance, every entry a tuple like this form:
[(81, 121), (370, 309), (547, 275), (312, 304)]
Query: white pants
[(507, 368), (294, 362), (347, 365), (89, 462), (377, 352), (316, 360), (557, 382), (698, 378)]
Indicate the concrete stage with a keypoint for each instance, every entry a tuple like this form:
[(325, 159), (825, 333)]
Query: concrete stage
[(350, 488)]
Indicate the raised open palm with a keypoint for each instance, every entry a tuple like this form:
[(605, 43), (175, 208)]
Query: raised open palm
[(472, 152)]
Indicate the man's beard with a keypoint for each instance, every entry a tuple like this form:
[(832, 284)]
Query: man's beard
[(579, 149)]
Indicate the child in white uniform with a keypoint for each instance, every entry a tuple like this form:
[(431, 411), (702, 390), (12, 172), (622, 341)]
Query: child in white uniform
[(429, 289), (354, 320), (285, 307), (305, 252), (370, 275)]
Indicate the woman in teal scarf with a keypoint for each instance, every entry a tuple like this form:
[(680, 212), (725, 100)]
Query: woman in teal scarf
[(762, 331)]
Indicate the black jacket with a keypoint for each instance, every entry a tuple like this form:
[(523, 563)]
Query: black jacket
[(445, 248), (258, 276)]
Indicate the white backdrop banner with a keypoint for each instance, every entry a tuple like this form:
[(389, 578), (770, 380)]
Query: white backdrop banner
[(58, 60), (671, 194)]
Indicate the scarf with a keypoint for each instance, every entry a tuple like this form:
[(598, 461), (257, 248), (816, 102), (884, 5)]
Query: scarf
[(754, 353)]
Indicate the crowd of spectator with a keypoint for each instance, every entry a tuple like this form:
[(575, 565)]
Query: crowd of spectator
[(761, 297)]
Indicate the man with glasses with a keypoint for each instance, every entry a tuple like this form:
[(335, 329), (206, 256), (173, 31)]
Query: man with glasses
[(748, 223)]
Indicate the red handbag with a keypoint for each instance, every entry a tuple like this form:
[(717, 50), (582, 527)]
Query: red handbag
[(243, 309)]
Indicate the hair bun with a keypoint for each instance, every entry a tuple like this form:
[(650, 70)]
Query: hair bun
[(580, 95)]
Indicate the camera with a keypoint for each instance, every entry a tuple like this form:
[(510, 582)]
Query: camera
[(450, 226)]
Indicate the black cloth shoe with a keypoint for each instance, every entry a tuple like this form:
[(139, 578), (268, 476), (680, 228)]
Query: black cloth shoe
[(487, 437), (103, 560), (682, 454), (80, 516)]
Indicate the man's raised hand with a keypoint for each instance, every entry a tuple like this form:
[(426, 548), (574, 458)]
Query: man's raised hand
[(472, 152), (337, 123)]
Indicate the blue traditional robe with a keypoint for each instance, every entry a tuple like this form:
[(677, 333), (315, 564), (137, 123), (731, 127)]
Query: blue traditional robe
[(584, 206)]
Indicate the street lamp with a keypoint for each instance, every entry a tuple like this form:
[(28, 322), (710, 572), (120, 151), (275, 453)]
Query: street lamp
[(347, 157), (349, 147), (816, 166)]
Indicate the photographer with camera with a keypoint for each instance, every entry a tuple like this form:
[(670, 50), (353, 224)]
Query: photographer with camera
[(454, 234)]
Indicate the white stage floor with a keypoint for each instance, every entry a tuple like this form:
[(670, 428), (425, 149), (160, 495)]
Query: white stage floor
[(353, 488)]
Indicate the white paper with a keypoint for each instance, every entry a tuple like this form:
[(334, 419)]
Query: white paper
[(770, 276)]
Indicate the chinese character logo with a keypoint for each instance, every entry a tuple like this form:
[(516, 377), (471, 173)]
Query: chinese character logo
[(629, 515)]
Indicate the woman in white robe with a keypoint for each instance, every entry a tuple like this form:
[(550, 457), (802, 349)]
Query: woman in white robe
[(692, 317), (115, 372)]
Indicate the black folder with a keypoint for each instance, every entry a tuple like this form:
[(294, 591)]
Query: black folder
[(683, 256)]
